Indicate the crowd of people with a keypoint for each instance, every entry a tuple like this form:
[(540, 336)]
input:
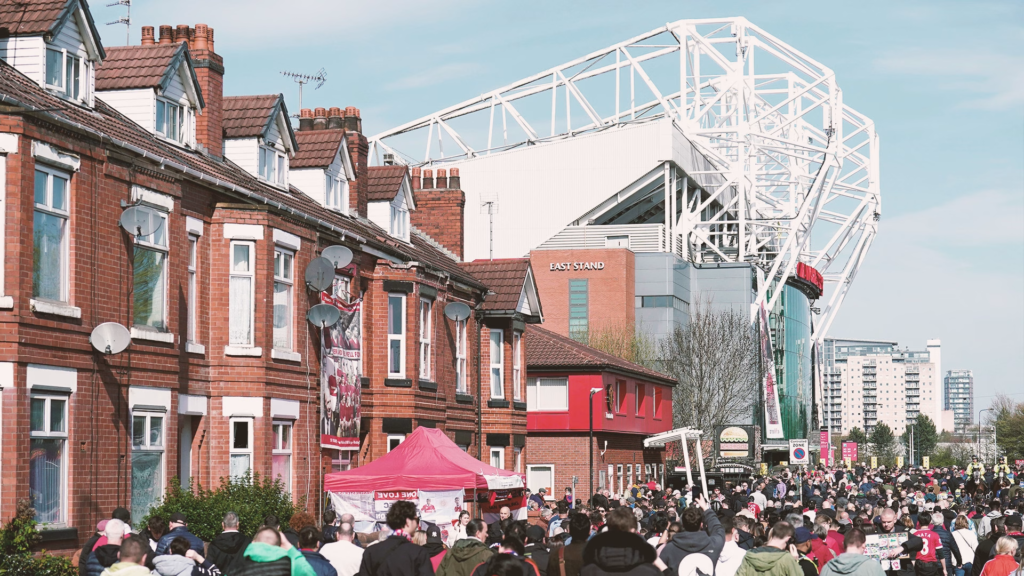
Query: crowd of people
[(846, 521)]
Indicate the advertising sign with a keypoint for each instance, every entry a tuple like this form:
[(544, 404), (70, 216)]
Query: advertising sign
[(874, 461), (734, 441), (772, 410), (880, 546), (899, 461), (849, 451), (1019, 463), (848, 461), (441, 508), (825, 450), (798, 452), (383, 499), (358, 504), (764, 468), (341, 355), (926, 462)]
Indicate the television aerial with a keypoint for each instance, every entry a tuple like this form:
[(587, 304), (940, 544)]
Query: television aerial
[(323, 315), (320, 274), (320, 77), (137, 221), (110, 338), (457, 311), (340, 256)]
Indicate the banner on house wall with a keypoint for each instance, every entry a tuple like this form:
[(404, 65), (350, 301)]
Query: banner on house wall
[(340, 360), (772, 410)]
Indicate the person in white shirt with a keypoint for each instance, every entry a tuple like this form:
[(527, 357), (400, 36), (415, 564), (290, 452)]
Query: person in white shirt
[(732, 555), (345, 556)]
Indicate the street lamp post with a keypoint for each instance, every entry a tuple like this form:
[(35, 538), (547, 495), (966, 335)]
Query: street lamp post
[(981, 431), (590, 446)]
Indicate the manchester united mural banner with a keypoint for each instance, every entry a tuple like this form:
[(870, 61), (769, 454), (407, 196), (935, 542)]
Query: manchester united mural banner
[(341, 354)]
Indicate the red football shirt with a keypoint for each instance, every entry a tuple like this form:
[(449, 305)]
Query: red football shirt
[(931, 544)]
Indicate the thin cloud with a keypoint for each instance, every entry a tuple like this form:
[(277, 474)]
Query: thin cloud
[(988, 79), (436, 75)]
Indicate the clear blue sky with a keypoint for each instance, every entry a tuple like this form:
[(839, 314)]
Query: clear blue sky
[(943, 81)]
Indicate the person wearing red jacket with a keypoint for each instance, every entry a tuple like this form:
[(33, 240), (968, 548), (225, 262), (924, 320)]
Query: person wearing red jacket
[(1003, 564)]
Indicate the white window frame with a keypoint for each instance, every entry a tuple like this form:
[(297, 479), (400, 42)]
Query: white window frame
[(63, 87), (517, 366), (336, 193), (64, 214), (284, 275), (232, 451), (47, 434), (146, 243), (533, 394), (534, 488), (399, 437), (399, 222), (426, 338), (251, 275), (500, 451), (147, 446), (399, 337), (193, 285), (341, 288), (461, 361), (278, 450), (640, 399), (517, 457), (183, 118), (497, 387), (273, 166)]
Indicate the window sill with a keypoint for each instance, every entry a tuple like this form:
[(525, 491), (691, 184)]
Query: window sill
[(253, 351), (152, 335), (6, 302), (427, 385), (364, 382), (285, 355), (519, 405), (41, 307), (497, 403), (463, 398), (398, 382), (194, 348), (57, 534)]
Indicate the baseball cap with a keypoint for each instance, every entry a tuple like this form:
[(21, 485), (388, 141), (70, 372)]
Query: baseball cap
[(177, 517), (101, 525), (535, 533), (434, 534), (802, 535)]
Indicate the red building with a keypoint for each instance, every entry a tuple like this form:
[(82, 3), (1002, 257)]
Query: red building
[(629, 403), (222, 374)]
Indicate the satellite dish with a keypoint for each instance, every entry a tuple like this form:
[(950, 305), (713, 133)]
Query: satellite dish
[(320, 274), (110, 338), (457, 311), (323, 315), (136, 220), (341, 256)]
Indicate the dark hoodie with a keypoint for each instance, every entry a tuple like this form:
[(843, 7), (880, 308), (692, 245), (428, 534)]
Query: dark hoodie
[(225, 550), (746, 540), (101, 558), (684, 543), (619, 553)]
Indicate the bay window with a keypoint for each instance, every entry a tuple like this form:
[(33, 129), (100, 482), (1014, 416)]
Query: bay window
[(48, 459), (283, 283), (426, 325), (396, 335), (240, 452), (150, 274), (461, 376), (497, 364), (147, 461), (50, 235), (517, 367), (241, 288), (282, 454)]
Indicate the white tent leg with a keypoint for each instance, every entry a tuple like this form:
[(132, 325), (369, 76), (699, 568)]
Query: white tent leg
[(700, 463), (686, 458)]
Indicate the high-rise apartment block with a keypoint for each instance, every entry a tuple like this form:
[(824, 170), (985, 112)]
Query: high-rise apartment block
[(958, 396), (867, 382)]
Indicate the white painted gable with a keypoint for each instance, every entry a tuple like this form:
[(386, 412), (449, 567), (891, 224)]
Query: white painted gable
[(529, 299)]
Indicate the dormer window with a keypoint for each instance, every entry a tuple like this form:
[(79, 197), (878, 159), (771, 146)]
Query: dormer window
[(64, 73), (272, 166), (170, 120), (399, 223), (336, 197)]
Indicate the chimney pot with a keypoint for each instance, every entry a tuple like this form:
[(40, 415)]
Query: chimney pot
[(320, 112), (181, 34), (454, 181), (442, 179), (319, 119), (306, 113), (428, 178), (416, 177), (305, 119), (202, 34), (147, 36), (166, 34), (209, 39), (335, 118), (352, 120)]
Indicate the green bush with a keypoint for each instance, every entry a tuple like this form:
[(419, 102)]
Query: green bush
[(16, 540), (253, 498)]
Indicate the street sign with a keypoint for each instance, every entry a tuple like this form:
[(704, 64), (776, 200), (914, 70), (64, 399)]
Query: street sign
[(899, 461), (798, 452), (926, 462), (874, 461)]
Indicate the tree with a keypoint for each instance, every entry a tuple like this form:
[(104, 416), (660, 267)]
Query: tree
[(626, 341), (715, 360), (883, 444), (926, 437), (1009, 423), (857, 435)]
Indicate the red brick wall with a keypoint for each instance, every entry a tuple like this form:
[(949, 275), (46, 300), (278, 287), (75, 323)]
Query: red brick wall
[(209, 67), (610, 290), (439, 213)]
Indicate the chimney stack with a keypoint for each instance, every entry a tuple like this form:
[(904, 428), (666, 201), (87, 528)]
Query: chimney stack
[(335, 119), (209, 67), (440, 208), (319, 119), (442, 179), (305, 119), (353, 122), (147, 36), (166, 35)]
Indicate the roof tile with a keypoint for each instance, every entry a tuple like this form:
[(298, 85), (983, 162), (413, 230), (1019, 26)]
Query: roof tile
[(546, 349), (247, 116), (505, 277), (384, 182), (30, 17), (128, 67), (317, 148)]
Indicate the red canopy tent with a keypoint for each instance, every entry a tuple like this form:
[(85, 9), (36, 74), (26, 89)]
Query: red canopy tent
[(426, 460)]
